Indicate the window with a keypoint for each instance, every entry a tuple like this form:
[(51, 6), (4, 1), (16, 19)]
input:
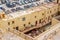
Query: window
[(23, 19), (40, 21), (12, 22), (36, 23), (29, 23), (24, 25), (42, 13), (52, 15), (17, 28), (8, 23), (3, 15)]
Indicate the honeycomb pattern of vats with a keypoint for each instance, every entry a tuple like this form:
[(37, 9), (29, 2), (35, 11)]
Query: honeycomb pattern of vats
[(23, 3), (16, 5)]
